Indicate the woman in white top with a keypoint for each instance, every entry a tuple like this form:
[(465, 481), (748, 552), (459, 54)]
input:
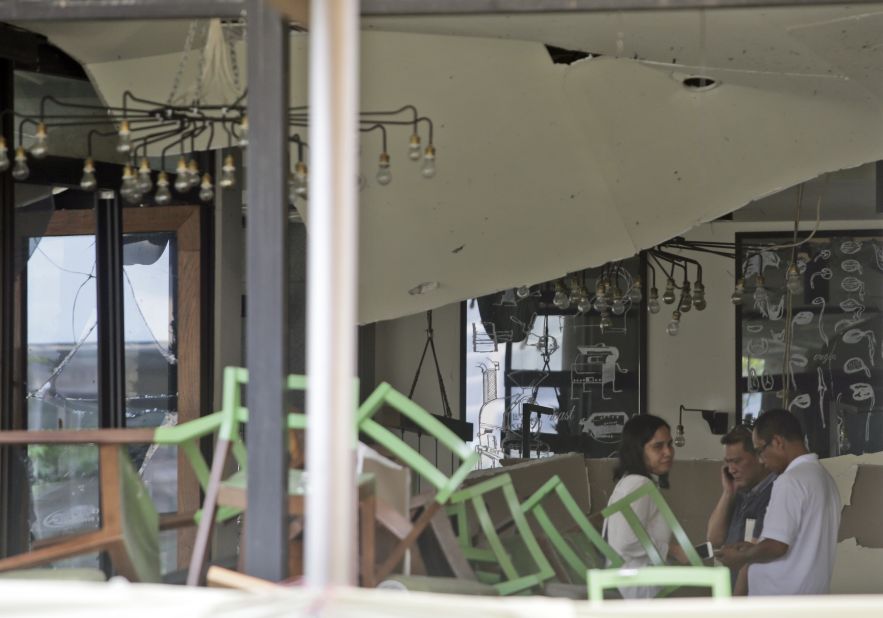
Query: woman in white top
[(646, 455)]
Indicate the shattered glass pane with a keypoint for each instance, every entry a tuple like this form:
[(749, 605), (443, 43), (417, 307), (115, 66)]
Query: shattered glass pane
[(149, 284), (62, 389)]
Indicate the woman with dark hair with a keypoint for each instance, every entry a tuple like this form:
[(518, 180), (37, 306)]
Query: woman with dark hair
[(646, 454)]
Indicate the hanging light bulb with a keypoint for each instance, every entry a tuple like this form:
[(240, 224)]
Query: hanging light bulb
[(699, 296), (523, 291), (428, 169), (4, 155), (384, 176), (560, 300), (414, 147), (20, 171), (129, 189), (675, 325), (206, 189), (300, 179), (680, 439), (124, 143), (88, 181), (606, 322), (738, 292), (243, 131), (760, 292), (793, 280), (40, 147), (182, 176), (600, 303), (669, 296), (617, 305), (144, 182), (575, 294), (193, 173), (686, 302), (228, 173), (163, 195), (635, 294), (653, 301), (584, 305)]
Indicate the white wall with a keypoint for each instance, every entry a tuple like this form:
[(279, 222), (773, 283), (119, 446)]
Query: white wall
[(399, 344)]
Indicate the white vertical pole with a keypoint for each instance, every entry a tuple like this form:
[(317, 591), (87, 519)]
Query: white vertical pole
[(332, 279)]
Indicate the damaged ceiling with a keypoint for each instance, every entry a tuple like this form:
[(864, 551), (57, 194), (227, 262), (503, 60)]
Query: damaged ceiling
[(546, 168)]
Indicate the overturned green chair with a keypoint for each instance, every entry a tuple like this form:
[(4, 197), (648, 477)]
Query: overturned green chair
[(581, 549), (444, 485), (625, 508), (510, 575), (227, 496), (227, 423)]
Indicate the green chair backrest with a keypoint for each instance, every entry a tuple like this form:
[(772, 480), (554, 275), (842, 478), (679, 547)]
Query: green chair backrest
[(225, 423), (140, 523), (716, 578), (624, 507), (578, 560), (514, 578), (444, 485)]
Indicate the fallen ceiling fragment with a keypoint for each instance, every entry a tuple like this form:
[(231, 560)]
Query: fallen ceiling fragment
[(546, 168)]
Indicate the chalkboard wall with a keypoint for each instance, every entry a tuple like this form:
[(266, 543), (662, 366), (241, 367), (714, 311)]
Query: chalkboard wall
[(596, 378), (835, 375)]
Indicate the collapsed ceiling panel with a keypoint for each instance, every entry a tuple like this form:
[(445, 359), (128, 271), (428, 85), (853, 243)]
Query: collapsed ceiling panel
[(547, 168)]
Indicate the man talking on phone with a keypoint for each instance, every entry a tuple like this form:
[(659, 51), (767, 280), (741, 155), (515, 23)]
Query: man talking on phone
[(745, 492), (795, 553)]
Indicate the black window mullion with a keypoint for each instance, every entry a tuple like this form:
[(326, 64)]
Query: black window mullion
[(109, 298), (13, 490)]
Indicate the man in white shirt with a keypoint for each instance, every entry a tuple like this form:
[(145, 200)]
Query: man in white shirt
[(795, 554)]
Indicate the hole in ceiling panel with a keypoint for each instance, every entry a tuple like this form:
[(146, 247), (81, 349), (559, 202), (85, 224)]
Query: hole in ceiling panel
[(560, 55)]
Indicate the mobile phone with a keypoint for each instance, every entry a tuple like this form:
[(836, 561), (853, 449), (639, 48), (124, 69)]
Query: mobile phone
[(727, 473), (704, 550)]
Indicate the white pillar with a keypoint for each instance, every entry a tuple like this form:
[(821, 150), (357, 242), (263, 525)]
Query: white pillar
[(332, 285)]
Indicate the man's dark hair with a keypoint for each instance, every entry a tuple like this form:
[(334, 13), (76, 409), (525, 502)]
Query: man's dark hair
[(740, 434), (638, 431), (779, 423)]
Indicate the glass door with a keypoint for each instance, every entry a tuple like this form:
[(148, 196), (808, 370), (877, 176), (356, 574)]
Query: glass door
[(57, 330)]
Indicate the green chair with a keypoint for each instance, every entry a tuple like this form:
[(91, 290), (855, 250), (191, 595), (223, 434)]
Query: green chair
[(579, 549), (444, 485), (511, 578), (624, 506), (716, 578), (227, 422)]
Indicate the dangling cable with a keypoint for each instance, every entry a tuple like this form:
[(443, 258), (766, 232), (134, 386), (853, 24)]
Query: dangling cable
[(430, 345), (786, 361)]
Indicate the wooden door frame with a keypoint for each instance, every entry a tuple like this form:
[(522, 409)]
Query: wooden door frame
[(185, 223)]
